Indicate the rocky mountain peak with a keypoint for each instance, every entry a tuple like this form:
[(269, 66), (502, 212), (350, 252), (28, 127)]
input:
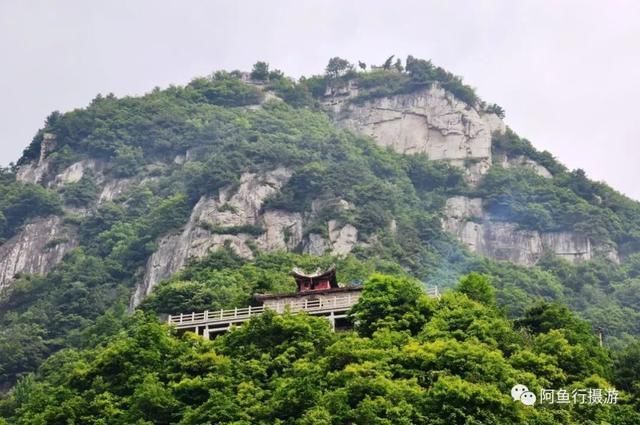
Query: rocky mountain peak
[(430, 121)]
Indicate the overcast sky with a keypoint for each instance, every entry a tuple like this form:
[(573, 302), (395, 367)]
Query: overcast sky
[(566, 72)]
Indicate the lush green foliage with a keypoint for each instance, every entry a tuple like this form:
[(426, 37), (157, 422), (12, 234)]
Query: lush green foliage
[(600, 291), (389, 80), (20, 202), (260, 71), (337, 67), (412, 360), (141, 137), (453, 361), (390, 302), (81, 193), (224, 280), (42, 314), (569, 201), (603, 293), (295, 94), (510, 144), (521, 196), (478, 288)]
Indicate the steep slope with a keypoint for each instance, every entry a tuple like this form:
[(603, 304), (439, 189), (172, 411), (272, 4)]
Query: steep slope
[(407, 169), (433, 122), (472, 225), (429, 121), (41, 245)]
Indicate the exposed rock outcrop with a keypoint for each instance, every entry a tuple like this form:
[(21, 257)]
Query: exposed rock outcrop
[(522, 161), (32, 172), (343, 239), (282, 230), (235, 218), (217, 221), (340, 239), (114, 188), (110, 188), (36, 249), (75, 172), (316, 244), (430, 121), (35, 171), (466, 219)]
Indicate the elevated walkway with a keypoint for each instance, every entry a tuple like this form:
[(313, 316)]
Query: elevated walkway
[(210, 323)]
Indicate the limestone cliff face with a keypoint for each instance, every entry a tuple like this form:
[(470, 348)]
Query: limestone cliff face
[(35, 171), (434, 122), (234, 217), (338, 239), (430, 121), (110, 187), (225, 219), (42, 243), (466, 219), (36, 249), (522, 161), (341, 240)]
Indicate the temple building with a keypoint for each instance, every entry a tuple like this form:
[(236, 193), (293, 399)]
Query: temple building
[(318, 290), (315, 281), (317, 293)]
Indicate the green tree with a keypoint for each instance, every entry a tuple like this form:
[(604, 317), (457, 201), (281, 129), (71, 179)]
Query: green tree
[(398, 65), (627, 374), (387, 301), (81, 193), (337, 67), (260, 71), (478, 288)]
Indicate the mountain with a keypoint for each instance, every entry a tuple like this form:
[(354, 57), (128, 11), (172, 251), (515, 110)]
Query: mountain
[(196, 197)]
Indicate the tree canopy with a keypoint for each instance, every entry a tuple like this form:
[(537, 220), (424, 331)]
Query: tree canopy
[(76, 356), (437, 361)]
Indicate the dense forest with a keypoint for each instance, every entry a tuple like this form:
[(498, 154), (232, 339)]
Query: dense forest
[(412, 360), (76, 355)]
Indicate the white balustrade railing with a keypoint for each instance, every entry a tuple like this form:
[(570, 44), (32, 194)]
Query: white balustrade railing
[(241, 314), (311, 306), (433, 292)]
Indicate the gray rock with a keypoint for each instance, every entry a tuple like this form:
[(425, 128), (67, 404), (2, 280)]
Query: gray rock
[(522, 161), (283, 231), (430, 121), (114, 188), (242, 206), (317, 245), (343, 239), (76, 171), (36, 249), (231, 208), (34, 172), (468, 222)]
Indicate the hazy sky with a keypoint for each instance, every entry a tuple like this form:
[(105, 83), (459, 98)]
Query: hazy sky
[(566, 72)]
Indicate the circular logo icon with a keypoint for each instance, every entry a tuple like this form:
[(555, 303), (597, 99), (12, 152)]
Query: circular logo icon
[(528, 398), (518, 390)]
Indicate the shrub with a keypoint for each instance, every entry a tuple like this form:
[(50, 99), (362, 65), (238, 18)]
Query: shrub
[(81, 193)]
